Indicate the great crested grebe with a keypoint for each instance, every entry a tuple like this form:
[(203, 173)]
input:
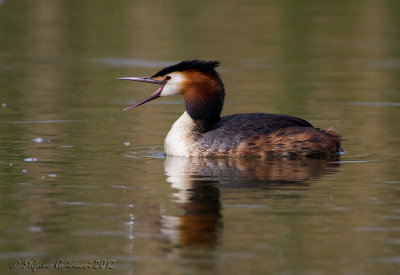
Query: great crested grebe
[(201, 131)]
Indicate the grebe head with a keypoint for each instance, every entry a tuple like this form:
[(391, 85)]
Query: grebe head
[(196, 80)]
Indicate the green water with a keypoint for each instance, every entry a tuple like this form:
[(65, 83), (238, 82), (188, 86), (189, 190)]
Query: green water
[(84, 184)]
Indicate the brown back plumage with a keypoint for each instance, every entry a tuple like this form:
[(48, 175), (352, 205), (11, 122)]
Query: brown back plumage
[(292, 142)]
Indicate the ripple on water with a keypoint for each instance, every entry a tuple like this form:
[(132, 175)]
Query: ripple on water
[(124, 102), (79, 186), (155, 152), (47, 121), (115, 233), (38, 140), (123, 187), (352, 161), (387, 260), (385, 64), (130, 62), (245, 206), (390, 217), (104, 204), (376, 104), (379, 229), (35, 229), (23, 255), (393, 241), (30, 159)]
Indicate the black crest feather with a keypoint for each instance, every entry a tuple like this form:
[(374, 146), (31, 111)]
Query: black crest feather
[(186, 65)]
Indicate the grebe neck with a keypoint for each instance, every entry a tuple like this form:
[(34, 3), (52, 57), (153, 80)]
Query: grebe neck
[(204, 98), (182, 137)]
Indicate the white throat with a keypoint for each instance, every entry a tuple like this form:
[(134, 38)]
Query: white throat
[(181, 139)]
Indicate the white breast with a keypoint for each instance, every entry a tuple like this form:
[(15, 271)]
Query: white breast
[(180, 140)]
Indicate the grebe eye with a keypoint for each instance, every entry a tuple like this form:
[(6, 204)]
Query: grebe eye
[(167, 77)]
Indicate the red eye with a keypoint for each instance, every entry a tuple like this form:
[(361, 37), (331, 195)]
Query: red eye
[(167, 77)]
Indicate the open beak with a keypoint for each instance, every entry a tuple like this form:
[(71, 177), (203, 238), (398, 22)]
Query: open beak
[(147, 80)]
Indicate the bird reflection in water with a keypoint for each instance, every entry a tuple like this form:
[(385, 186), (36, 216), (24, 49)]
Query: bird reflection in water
[(197, 182)]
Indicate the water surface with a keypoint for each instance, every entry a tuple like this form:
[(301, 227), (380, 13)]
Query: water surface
[(83, 182)]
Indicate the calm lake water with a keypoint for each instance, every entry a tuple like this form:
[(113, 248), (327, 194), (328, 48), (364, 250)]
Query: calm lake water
[(84, 184)]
